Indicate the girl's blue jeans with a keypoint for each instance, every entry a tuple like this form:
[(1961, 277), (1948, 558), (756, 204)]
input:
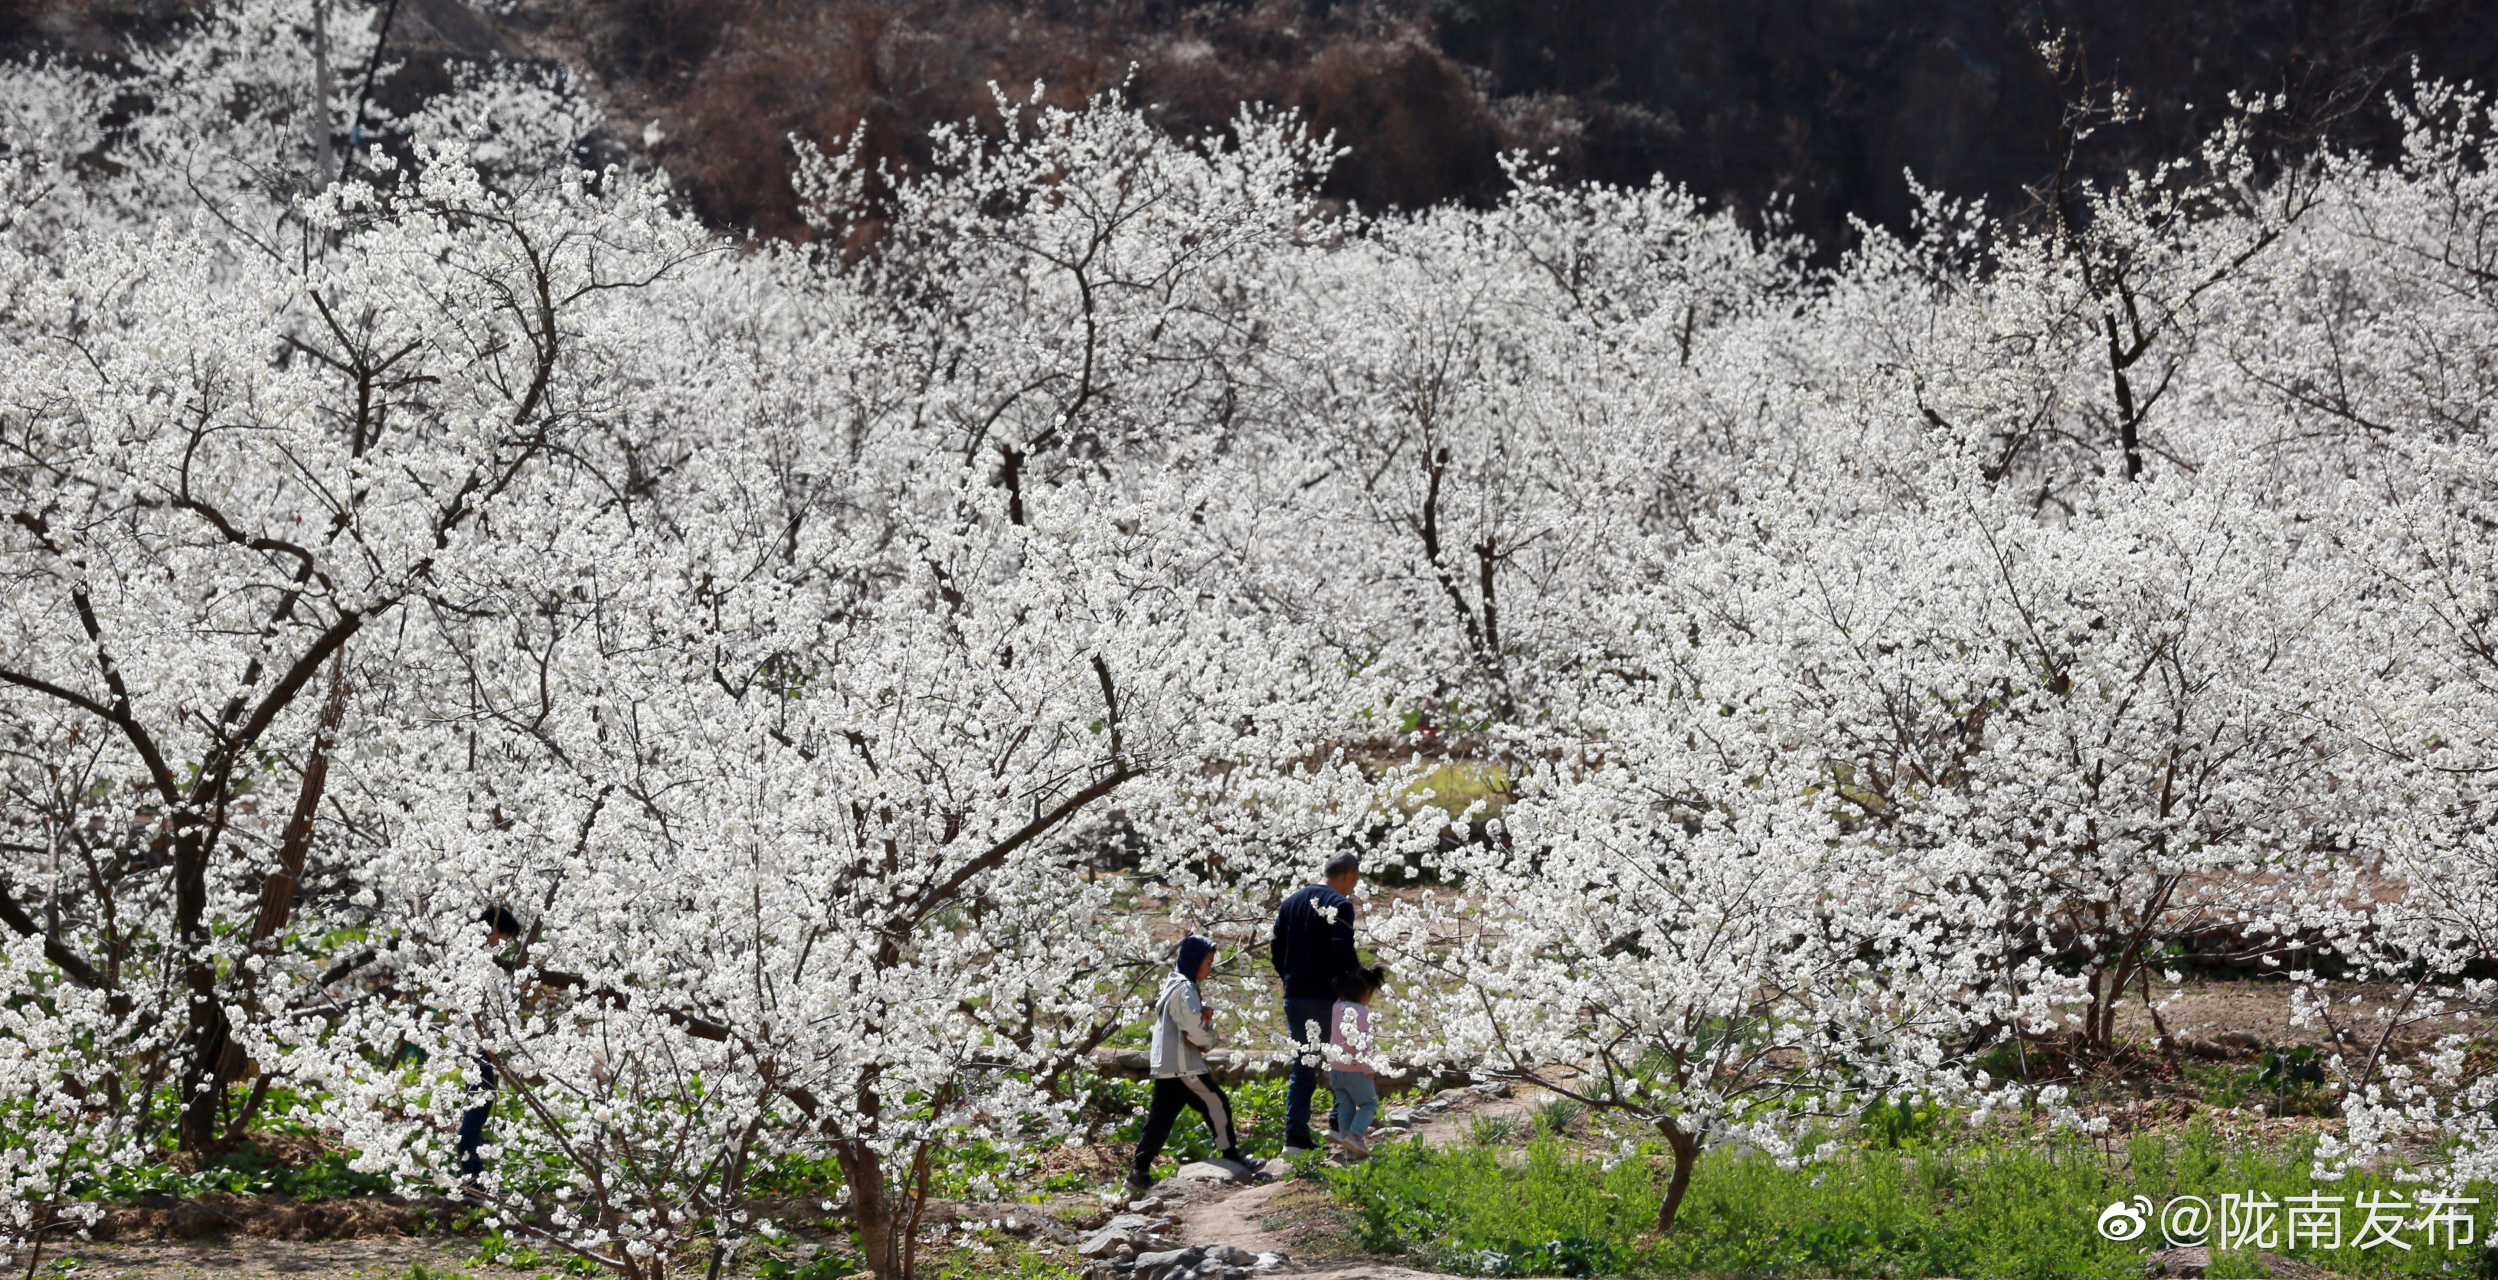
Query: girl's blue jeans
[(1357, 1101)]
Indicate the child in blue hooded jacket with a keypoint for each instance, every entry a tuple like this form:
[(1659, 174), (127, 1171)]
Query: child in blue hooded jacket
[(1183, 1031)]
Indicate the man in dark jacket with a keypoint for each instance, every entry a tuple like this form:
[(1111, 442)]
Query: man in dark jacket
[(1313, 949)]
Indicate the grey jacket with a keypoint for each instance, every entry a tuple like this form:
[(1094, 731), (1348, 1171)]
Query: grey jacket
[(1181, 1033)]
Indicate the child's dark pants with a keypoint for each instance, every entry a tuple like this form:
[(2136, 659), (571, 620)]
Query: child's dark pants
[(1196, 1093)]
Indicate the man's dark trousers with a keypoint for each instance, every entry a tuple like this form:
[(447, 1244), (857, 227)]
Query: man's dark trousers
[(473, 1120), (1299, 1013)]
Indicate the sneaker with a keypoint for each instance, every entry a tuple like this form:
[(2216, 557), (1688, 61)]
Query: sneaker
[(1347, 1143), (468, 1192), (1138, 1185)]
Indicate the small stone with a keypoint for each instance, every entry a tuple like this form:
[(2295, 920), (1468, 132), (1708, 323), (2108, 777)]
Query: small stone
[(2291, 1268), (1203, 1171), (1131, 1222), (1105, 1242), (1270, 1260), (1169, 1258), (2187, 1262)]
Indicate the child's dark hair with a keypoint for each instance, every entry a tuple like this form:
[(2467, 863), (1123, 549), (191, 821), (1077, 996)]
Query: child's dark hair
[(500, 920), (1343, 862), (1359, 985)]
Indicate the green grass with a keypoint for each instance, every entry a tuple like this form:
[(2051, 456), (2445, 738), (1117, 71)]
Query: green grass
[(2022, 1212), (1458, 784), (1554, 1116), (1014, 1264), (1492, 1131), (242, 1172), (826, 1268)]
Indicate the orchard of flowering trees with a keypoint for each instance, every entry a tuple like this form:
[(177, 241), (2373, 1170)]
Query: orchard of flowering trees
[(1888, 665)]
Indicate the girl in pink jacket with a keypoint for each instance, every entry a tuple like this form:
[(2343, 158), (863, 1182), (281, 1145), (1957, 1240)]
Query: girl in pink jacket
[(1348, 1076)]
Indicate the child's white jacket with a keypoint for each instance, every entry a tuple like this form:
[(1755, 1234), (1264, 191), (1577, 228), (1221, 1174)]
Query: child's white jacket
[(1181, 1035)]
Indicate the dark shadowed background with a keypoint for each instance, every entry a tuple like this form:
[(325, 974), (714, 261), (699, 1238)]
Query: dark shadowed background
[(1816, 107)]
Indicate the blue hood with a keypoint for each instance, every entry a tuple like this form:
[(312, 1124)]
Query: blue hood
[(1193, 952)]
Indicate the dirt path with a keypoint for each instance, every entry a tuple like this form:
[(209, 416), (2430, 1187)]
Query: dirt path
[(1263, 1219), (1451, 1127), (1219, 1213), (251, 1257), (1271, 1217), (1301, 1220), (1362, 1271)]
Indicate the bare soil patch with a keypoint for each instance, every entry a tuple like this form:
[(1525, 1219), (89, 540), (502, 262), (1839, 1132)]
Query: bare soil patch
[(245, 1257), (1304, 1220), (270, 1217), (1237, 1217), (2209, 1008)]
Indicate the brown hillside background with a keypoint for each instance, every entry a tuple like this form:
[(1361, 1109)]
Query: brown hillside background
[(1816, 108)]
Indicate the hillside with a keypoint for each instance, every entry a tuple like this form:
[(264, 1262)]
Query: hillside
[(1818, 107)]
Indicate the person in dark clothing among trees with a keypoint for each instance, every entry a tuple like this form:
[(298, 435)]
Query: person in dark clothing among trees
[(1313, 953), (501, 927)]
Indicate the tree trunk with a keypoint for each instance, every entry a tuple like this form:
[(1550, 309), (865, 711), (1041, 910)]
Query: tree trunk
[(277, 894), (1686, 1154), (876, 1210), (202, 1079), (324, 160)]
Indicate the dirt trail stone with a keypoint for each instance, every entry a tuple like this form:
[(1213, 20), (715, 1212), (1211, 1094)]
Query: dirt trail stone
[(2187, 1262), (1205, 1171)]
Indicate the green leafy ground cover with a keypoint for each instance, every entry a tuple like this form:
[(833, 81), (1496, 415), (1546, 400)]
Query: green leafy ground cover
[(2022, 1210)]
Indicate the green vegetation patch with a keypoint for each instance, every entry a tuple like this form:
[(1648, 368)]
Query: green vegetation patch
[(2025, 1210)]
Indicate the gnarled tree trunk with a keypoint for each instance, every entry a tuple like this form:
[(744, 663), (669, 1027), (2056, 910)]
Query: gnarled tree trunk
[(1686, 1148)]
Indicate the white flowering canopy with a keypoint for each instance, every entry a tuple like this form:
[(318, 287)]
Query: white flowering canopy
[(849, 664)]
